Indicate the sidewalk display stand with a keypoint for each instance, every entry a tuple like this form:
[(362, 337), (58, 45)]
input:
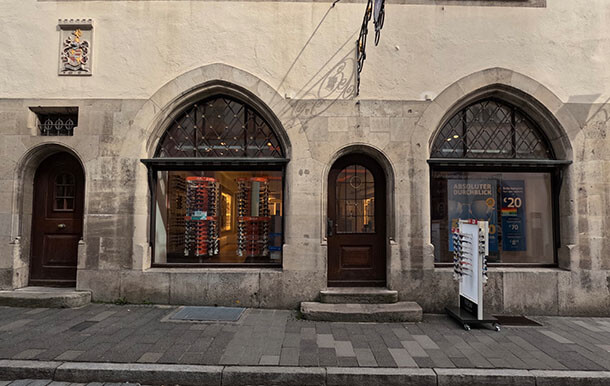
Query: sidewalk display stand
[(201, 219), (253, 220), (470, 251)]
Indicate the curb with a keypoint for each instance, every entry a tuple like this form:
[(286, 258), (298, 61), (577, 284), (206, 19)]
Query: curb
[(158, 374)]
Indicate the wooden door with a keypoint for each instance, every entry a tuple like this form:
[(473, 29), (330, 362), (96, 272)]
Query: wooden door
[(356, 228), (57, 220)]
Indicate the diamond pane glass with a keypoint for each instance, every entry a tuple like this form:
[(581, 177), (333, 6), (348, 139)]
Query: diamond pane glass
[(490, 129), (220, 127)]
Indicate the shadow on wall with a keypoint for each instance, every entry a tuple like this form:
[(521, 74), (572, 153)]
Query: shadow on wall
[(335, 80)]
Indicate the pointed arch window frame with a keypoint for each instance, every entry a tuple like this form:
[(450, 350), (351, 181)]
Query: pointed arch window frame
[(555, 167), (223, 163)]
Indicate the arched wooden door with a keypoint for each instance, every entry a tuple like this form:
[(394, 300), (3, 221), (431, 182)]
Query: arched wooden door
[(57, 220), (356, 228)]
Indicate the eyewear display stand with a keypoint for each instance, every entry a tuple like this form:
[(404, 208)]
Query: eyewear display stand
[(470, 250), (201, 220), (253, 221)]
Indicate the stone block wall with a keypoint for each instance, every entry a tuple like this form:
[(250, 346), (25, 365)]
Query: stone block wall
[(114, 260)]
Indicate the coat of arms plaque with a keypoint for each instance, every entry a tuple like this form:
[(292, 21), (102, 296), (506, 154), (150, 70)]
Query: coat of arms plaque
[(75, 49)]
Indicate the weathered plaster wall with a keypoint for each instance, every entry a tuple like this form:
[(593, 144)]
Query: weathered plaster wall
[(140, 45)]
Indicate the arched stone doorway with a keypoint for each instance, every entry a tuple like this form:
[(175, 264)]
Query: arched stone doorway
[(356, 229), (57, 220)]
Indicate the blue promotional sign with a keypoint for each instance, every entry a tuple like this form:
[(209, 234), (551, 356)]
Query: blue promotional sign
[(513, 216), (473, 199)]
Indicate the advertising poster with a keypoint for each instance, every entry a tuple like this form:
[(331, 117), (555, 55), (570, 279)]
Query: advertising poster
[(513, 216), (473, 199)]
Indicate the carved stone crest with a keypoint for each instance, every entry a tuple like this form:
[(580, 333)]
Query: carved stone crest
[(75, 49)]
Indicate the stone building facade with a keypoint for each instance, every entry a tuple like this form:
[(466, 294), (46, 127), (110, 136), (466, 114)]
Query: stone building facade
[(539, 68)]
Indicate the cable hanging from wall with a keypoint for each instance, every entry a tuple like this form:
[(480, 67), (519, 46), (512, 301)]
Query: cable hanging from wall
[(375, 9)]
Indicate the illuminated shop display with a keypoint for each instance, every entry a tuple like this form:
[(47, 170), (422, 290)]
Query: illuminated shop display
[(254, 222), (215, 217), (490, 161), (201, 229), (217, 187)]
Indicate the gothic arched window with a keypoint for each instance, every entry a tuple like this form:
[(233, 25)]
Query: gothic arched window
[(217, 187), (490, 161), (220, 127), (491, 129)]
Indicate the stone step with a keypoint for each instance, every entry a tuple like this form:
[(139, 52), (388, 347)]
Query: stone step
[(45, 297), (362, 295), (394, 312)]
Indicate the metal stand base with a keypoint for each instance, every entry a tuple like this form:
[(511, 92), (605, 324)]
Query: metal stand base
[(466, 319)]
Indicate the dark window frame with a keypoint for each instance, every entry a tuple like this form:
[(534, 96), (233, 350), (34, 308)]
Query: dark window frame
[(205, 163), (549, 165)]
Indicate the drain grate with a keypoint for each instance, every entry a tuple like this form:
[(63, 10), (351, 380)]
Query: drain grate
[(515, 320), (209, 314)]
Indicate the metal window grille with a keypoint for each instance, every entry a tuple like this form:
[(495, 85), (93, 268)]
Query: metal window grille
[(220, 127), (57, 124), (491, 129)]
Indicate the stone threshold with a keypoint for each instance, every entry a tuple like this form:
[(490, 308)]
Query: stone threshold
[(45, 297), (84, 372)]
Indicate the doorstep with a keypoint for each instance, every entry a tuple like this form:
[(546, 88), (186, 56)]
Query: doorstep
[(45, 297)]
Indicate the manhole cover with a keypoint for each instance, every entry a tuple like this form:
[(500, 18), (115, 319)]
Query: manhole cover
[(209, 314), (519, 320)]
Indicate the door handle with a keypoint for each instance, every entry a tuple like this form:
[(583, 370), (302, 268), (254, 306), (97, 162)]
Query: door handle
[(61, 226), (329, 227)]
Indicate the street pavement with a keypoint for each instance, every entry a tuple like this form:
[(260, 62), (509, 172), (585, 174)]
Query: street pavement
[(143, 334)]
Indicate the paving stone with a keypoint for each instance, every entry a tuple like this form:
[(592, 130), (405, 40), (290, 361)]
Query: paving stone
[(383, 357), (414, 349), (555, 336), (291, 340), (347, 362), (270, 360), (101, 316), (327, 357), (69, 355), (425, 342), (289, 356), (365, 357), (28, 354), (15, 325), (39, 382), (402, 357), (344, 349), (325, 340), (21, 382), (150, 357), (402, 334)]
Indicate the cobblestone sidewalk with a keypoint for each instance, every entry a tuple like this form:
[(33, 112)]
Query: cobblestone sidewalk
[(137, 334)]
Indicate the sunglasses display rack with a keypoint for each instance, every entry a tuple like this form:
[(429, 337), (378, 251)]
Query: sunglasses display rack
[(470, 250), (201, 219), (462, 263), (253, 219), (176, 214)]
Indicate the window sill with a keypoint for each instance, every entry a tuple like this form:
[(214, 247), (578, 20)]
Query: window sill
[(209, 269), (510, 268)]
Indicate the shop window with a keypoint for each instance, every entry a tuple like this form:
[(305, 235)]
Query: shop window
[(218, 188), (490, 161)]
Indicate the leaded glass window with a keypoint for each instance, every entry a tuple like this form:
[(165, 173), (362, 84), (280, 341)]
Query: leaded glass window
[(491, 129), (220, 127)]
